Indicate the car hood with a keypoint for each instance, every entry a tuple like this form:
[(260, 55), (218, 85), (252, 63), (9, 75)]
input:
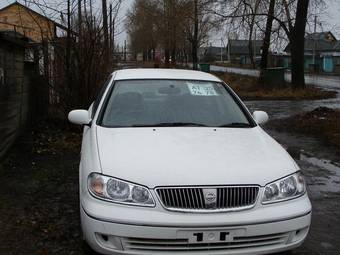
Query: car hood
[(192, 156)]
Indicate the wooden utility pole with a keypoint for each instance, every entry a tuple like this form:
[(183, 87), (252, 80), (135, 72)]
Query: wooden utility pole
[(110, 26), (194, 43), (173, 10), (68, 40), (167, 34), (125, 50), (106, 34), (113, 36), (79, 20), (314, 38)]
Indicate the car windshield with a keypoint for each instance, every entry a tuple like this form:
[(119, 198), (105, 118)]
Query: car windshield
[(152, 103)]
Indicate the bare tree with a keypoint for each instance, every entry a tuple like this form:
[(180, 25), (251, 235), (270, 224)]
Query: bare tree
[(79, 54), (144, 28), (114, 11), (251, 20), (185, 26), (267, 36), (198, 25), (291, 17), (296, 35)]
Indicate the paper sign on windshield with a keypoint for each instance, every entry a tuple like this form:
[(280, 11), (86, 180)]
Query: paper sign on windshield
[(202, 89)]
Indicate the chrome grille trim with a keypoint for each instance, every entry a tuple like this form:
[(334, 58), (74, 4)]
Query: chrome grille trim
[(191, 198)]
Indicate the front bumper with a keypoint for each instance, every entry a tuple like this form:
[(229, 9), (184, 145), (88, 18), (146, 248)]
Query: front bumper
[(119, 229), (115, 238)]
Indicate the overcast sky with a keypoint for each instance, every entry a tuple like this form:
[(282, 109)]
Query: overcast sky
[(330, 18)]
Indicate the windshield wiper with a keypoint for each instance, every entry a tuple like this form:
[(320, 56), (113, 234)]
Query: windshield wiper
[(171, 124), (236, 124)]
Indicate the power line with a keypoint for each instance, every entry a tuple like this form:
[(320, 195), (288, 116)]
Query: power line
[(45, 6)]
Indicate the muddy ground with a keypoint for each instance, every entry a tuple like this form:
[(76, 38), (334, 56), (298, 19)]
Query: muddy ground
[(39, 205), (321, 122), (249, 88), (39, 211), (321, 165)]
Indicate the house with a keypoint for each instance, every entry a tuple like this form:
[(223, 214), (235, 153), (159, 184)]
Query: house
[(335, 58), (28, 22), (46, 47), (16, 73), (322, 52), (239, 51)]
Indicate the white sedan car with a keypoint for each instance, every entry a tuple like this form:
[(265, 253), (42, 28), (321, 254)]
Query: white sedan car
[(172, 162)]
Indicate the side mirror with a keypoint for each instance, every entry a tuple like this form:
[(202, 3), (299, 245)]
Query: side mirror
[(260, 117), (80, 117)]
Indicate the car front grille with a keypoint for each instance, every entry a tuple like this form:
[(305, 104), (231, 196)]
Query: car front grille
[(181, 245), (208, 198)]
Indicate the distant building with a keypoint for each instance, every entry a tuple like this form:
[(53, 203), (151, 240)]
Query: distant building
[(239, 51), (322, 52)]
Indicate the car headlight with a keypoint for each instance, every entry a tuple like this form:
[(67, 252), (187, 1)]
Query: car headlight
[(289, 187), (115, 190)]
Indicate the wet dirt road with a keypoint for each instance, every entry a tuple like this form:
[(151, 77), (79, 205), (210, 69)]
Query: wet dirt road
[(39, 192), (321, 166), (324, 81)]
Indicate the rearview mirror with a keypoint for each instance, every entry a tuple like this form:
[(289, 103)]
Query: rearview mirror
[(260, 117), (80, 117)]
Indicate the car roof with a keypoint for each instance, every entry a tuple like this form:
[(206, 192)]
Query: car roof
[(158, 73)]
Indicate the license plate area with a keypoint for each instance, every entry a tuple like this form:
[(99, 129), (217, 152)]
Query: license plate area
[(210, 236)]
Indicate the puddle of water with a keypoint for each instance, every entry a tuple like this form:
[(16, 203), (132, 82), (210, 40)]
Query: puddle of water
[(323, 163), (323, 176), (319, 163)]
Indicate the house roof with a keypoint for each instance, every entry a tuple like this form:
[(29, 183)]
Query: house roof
[(337, 46), (324, 41), (33, 11), (324, 36), (241, 47)]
